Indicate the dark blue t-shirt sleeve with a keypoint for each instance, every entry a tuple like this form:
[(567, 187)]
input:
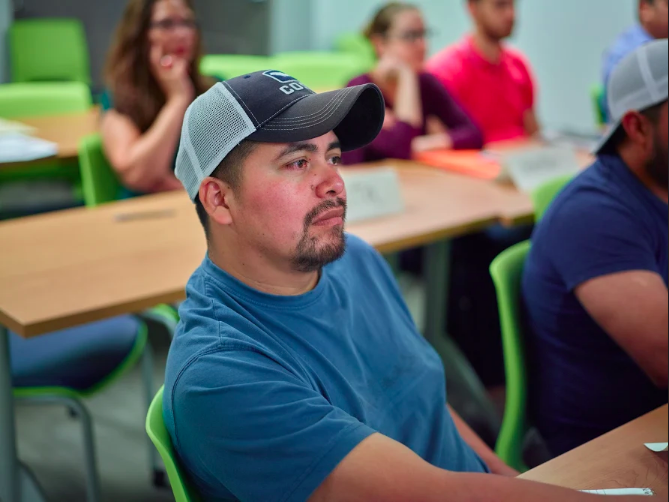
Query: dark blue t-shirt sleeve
[(594, 238), (256, 429)]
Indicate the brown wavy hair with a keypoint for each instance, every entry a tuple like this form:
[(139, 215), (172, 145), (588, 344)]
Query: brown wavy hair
[(135, 91)]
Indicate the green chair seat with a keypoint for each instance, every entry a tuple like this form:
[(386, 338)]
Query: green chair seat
[(48, 49), (43, 98), (506, 271), (155, 427)]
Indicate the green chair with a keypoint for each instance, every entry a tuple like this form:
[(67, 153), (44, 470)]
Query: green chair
[(48, 49), (598, 96), (155, 428), (226, 66), (506, 271), (100, 186), (357, 44), (543, 196), (43, 98), (321, 71), (72, 365)]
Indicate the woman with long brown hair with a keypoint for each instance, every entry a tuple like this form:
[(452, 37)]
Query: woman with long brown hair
[(152, 76)]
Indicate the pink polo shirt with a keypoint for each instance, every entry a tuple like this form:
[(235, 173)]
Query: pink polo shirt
[(496, 96)]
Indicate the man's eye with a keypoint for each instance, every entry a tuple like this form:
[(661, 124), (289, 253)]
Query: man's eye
[(336, 160), (299, 164)]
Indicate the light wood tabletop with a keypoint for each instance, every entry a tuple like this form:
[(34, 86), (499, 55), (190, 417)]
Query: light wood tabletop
[(76, 266), (617, 460), (64, 130)]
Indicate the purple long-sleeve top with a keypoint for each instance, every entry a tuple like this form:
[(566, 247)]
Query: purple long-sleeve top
[(395, 142)]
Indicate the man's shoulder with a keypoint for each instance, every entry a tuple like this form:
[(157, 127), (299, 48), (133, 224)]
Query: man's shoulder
[(518, 58)]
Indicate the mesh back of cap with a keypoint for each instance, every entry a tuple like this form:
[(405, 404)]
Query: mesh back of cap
[(640, 80), (214, 124)]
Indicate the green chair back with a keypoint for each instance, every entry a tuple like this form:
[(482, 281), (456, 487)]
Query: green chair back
[(358, 45), (598, 96), (39, 99), (321, 71), (543, 196), (48, 49), (227, 66), (99, 181), (506, 271), (155, 428)]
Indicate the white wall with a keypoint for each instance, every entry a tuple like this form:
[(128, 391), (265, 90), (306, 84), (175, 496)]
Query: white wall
[(564, 40), (6, 15), (291, 22)]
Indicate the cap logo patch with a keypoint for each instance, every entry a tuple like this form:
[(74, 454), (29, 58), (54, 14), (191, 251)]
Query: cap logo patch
[(279, 76)]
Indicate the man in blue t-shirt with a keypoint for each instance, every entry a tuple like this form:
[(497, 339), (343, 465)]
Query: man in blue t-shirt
[(296, 372), (653, 25), (595, 281)]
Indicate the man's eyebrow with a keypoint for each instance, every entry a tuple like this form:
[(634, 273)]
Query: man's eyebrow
[(297, 147), (335, 145)]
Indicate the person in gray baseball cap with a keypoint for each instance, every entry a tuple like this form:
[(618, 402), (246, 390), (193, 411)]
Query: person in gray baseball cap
[(296, 372), (595, 283)]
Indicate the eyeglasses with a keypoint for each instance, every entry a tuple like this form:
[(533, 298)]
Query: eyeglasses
[(412, 36), (173, 24)]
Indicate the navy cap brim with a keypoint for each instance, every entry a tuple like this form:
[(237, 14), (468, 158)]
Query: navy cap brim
[(355, 114)]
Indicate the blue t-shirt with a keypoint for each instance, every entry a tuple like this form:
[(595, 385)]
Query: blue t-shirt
[(582, 383), (265, 395), (626, 43)]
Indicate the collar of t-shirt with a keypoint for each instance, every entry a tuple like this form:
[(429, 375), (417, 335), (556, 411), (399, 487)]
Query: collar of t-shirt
[(238, 289), (630, 181), (474, 54)]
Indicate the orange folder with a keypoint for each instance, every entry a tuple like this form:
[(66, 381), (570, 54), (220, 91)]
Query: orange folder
[(469, 162)]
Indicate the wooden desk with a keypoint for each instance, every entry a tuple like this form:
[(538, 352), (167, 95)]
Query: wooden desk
[(67, 268), (616, 460), (64, 130)]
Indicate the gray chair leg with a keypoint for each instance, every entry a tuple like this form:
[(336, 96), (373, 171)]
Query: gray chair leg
[(90, 459)]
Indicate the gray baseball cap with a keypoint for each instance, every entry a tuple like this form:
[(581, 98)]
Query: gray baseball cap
[(639, 82), (271, 107)]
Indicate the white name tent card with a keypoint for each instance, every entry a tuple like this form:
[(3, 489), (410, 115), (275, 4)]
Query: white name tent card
[(531, 168), (372, 193)]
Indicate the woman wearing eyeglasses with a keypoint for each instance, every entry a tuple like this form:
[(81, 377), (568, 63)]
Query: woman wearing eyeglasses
[(420, 114), (152, 75)]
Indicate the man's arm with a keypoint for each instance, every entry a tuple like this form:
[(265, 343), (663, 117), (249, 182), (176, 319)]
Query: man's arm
[(632, 307), (380, 469), (531, 123), (494, 463)]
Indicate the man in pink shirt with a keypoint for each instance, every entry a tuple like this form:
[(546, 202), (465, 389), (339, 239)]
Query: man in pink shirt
[(491, 81)]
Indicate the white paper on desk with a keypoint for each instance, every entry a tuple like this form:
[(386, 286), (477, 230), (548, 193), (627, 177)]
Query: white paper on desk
[(658, 447), (9, 126), (531, 168), (372, 193), (22, 148), (624, 491)]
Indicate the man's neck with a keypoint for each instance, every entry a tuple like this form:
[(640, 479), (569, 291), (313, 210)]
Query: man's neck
[(260, 273), (491, 49), (649, 29), (637, 166)]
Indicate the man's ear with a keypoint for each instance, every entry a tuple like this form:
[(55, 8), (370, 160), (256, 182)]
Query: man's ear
[(215, 195)]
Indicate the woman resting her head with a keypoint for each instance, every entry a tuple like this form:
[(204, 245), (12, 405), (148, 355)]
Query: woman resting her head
[(152, 76), (420, 113)]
